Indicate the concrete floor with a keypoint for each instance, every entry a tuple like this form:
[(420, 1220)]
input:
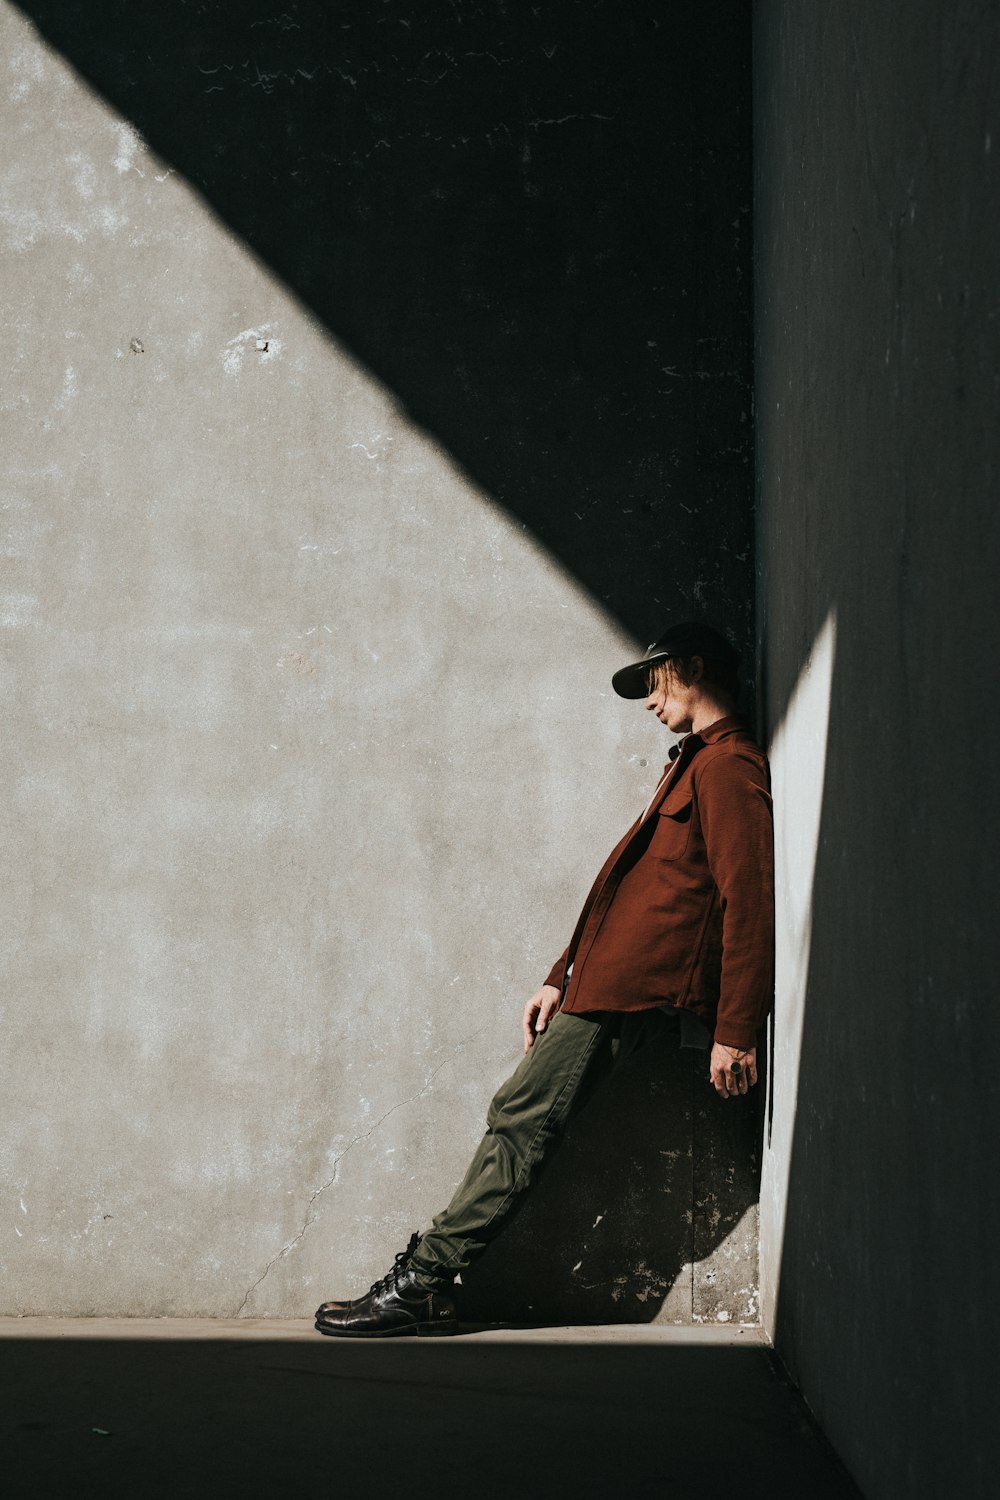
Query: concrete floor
[(269, 1408)]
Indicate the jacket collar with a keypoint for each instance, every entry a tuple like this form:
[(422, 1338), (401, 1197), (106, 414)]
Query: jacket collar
[(733, 724), (680, 757), (684, 751)]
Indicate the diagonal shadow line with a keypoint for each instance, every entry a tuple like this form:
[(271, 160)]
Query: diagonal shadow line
[(534, 228), (538, 240)]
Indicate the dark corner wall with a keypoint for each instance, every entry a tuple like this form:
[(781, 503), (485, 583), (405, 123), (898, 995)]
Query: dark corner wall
[(877, 140)]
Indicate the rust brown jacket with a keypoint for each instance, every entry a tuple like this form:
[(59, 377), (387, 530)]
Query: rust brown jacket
[(682, 913)]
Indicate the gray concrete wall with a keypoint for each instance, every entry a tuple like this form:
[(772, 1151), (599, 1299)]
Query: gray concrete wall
[(371, 398), (877, 130)]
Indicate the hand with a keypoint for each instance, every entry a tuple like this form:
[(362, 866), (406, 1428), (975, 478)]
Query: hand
[(724, 1080), (537, 1012)]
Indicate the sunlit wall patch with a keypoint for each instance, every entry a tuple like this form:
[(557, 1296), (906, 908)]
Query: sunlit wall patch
[(798, 770)]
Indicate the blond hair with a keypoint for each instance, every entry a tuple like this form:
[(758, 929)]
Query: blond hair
[(717, 675)]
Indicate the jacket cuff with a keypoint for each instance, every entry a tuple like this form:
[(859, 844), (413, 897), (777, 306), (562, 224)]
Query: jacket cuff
[(557, 972), (739, 1034)]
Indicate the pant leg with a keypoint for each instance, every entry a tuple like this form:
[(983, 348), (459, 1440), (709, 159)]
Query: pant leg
[(526, 1118)]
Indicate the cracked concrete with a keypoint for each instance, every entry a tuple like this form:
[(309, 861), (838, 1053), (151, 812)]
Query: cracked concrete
[(298, 597), (359, 1140)]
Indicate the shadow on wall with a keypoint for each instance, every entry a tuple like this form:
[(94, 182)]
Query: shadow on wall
[(533, 226), (625, 1234), (534, 229)]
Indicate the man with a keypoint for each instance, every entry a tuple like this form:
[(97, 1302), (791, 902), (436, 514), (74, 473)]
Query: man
[(677, 933)]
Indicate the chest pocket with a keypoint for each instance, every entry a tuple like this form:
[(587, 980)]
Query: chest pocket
[(673, 825)]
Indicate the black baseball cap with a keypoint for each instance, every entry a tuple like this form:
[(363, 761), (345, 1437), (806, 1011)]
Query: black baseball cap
[(690, 638)]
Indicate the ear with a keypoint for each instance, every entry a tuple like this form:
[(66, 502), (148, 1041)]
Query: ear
[(696, 668)]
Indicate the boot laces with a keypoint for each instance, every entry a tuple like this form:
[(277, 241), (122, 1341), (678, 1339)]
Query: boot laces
[(390, 1281)]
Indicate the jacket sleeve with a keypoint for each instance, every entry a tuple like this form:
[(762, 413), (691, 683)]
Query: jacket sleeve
[(734, 803), (557, 973)]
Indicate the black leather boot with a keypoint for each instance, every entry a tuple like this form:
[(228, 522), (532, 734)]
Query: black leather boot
[(395, 1304)]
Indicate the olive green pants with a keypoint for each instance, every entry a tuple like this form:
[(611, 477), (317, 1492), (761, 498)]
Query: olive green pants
[(525, 1120)]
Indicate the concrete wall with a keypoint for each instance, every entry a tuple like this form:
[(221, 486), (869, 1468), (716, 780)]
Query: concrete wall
[(379, 384), (877, 131)]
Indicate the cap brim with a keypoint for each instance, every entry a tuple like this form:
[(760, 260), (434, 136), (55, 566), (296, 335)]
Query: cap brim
[(630, 681)]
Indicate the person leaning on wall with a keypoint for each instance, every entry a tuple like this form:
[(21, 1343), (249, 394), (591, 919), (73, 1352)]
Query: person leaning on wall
[(675, 940)]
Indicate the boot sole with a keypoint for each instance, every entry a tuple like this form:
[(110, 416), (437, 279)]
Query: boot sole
[(418, 1330)]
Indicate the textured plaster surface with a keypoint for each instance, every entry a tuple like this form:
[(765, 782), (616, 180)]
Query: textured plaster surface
[(312, 754), (878, 369)]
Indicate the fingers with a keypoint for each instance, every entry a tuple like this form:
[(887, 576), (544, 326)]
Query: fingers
[(729, 1085), (748, 1073), (545, 1010), (735, 1076), (733, 1071), (733, 1084), (537, 1014)]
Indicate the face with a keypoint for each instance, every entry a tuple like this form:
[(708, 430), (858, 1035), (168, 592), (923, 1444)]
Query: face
[(672, 701)]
